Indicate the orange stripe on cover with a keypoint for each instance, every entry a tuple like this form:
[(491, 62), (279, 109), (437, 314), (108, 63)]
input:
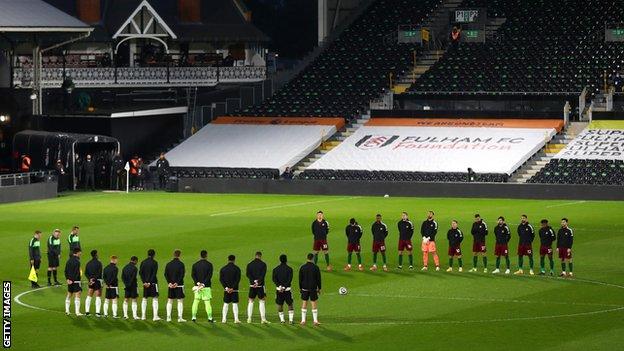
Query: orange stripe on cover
[(310, 121), (474, 123)]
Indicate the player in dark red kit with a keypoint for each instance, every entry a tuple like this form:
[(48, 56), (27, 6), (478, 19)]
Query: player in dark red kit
[(525, 244), (455, 237), (380, 232), (547, 237), (565, 239), (479, 231), (503, 235), (406, 231), (353, 231), (320, 229)]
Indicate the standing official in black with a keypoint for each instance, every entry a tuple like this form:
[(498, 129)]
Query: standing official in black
[(310, 286), (230, 276), (256, 272), (282, 278), (162, 168), (89, 170), (174, 274), (118, 175), (34, 254), (54, 255), (148, 271), (73, 275)]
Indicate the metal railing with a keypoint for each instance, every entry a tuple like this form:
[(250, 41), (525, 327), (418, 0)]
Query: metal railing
[(15, 179), (139, 76)]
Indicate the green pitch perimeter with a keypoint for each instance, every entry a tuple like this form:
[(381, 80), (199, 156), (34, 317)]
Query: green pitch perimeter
[(383, 311)]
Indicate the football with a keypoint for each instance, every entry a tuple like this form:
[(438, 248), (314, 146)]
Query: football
[(342, 290)]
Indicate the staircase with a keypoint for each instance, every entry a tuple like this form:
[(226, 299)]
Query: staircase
[(329, 144), (541, 158), (423, 64)]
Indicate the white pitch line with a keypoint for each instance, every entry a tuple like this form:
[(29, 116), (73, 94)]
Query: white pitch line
[(567, 204), (281, 206), (19, 302), (496, 320)]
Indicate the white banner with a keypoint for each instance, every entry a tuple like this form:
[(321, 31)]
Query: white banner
[(436, 149), (249, 146), (595, 144)]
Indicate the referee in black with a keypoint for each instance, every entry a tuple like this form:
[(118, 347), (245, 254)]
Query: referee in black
[(54, 256), (174, 274), (282, 278), (310, 285), (34, 253), (148, 271)]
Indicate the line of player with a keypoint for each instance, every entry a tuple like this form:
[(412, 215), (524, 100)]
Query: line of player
[(429, 229), (106, 278)]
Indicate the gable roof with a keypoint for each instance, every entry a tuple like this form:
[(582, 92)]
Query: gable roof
[(220, 20), (130, 20)]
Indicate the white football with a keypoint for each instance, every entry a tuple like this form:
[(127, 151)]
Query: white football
[(342, 290), (386, 195)]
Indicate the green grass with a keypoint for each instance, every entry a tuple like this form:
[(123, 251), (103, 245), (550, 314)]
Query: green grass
[(394, 310)]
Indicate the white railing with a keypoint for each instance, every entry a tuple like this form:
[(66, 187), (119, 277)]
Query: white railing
[(93, 77)]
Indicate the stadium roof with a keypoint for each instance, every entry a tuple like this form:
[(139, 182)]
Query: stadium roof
[(37, 16)]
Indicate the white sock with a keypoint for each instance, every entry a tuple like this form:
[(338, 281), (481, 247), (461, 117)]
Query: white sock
[(87, 304), (250, 309), (291, 315), (262, 310), (135, 308), (155, 307), (77, 304), (169, 308), (224, 312), (281, 316), (303, 314), (67, 304), (180, 309), (124, 308), (98, 304), (115, 308), (105, 308), (143, 308), (235, 311), (315, 315)]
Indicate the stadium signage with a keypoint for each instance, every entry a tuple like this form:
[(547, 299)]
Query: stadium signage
[(599, 144), (435, 149)]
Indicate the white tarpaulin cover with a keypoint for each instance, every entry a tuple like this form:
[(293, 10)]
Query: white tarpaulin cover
[(435, 149), (595, 144), (249, 146)]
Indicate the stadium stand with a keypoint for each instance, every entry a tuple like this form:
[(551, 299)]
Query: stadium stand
[(440, 150), (544, 46), (239, 147), (595, 156), (355, 67)]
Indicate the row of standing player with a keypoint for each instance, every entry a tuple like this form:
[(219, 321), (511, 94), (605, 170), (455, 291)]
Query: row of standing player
[(429, 229), (106, 278)]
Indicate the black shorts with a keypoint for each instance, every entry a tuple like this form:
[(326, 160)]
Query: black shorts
[(74, 287), (311, 295), (284, 297), (231, 297), (151, 291), (37, 263), (176, 293), (131, 293), (53, 261), (257, 292), (97, 285), (112, 293)]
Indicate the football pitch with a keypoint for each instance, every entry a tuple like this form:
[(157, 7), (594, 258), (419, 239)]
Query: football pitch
[(395, 310)]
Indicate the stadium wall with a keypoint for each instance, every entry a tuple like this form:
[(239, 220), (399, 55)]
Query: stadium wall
[(374, 188), (28, 192)]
